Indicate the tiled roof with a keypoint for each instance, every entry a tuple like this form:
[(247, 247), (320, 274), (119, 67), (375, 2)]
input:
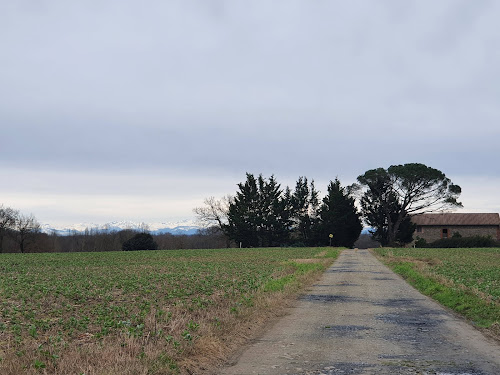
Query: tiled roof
[(457, 219)]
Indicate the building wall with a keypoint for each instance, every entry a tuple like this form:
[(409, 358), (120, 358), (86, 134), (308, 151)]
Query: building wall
[(433, 233)]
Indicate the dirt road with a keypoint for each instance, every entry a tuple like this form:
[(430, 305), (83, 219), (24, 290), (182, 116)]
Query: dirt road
[(361, 318)]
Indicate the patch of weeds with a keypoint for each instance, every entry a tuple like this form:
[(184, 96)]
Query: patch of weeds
[(32, 331), (303, 268), (276, 285), (164, 361), (193, 326), (136, 331), (186, 335), (247, 301), (39, 364)]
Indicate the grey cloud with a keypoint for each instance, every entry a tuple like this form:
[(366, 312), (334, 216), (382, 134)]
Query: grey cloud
[(288, 87)]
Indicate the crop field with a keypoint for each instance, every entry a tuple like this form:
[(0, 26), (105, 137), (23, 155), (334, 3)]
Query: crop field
[(144, 312), (466, 280)]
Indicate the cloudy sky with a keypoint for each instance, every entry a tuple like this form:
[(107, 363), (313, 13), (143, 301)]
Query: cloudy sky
[(126, 110)]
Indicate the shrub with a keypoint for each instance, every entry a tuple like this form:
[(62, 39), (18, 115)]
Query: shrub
[(455, 242), (421, 242), (141, 241)]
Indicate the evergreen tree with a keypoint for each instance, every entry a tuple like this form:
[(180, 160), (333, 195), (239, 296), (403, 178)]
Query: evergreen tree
[(378, 196), (259, 215), (405, 231), (338, 216), (242, 216), (141, 241), (304, 204)]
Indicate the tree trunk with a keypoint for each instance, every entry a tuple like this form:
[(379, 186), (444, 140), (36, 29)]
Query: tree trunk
[(395, 228), (391, 233)]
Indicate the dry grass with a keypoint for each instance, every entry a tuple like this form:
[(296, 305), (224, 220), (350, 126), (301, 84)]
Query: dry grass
[(307, 261), (321, 254)]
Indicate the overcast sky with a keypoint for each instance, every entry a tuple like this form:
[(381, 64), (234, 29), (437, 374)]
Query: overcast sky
[(131, 110)]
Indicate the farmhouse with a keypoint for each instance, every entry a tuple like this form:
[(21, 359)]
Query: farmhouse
[(432, 227)]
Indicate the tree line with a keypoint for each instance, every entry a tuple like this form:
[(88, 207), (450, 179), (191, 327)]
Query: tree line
[(261, 213), (21, 233)]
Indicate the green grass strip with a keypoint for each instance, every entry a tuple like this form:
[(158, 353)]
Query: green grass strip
[(276, 285)]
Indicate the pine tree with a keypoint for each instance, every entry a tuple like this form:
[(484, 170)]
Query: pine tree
[(242, 215), (394, 194)]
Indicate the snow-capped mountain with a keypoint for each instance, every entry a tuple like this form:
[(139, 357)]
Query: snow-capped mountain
[(179, 227)]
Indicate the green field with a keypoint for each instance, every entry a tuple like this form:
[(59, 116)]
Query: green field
[(466, 280), (139, 312)]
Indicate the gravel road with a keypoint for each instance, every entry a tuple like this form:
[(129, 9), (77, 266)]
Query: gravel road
[(361, 318)]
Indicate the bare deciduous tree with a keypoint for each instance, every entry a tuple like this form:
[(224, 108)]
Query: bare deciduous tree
[(25, 230), (214, 213), (144, 228), (7, 222)]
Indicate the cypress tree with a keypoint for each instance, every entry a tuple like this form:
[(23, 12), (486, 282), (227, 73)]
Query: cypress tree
[(338, 216), (304, 205), (259, 215)]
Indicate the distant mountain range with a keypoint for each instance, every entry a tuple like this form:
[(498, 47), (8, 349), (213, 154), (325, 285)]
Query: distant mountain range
[(187, 227)]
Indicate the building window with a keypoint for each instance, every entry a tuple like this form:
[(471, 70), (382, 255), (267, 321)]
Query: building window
[(419, 229), (444, 233)]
